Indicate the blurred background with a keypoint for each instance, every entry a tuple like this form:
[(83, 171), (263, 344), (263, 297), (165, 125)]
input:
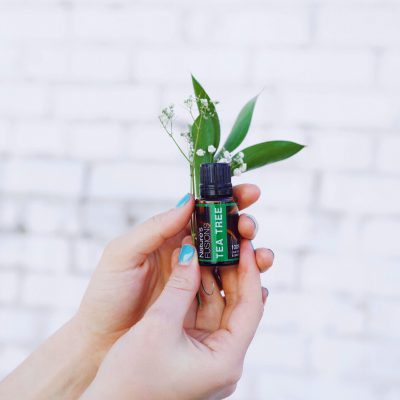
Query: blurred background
[(83, 158)]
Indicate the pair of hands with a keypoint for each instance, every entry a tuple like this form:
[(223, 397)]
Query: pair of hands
[(169, 346), (140, 332)]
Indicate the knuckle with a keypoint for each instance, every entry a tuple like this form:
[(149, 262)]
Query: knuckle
[(180, 283)]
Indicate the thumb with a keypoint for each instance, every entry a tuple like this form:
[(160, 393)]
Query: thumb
[(179, 292), (150, 235)]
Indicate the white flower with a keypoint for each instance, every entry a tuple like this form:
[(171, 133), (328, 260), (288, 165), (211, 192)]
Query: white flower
[(240, 154), (222, 160), (211, 149), (200, 152), (243, 167), (237, 172), (227, 155)]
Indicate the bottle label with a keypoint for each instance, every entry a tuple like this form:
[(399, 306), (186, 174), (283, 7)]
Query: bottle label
[(217, 233)]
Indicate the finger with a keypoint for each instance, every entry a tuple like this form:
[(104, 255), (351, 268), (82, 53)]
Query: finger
[(179, 292), (229, 280), (264, 258), (248, 226), (150, 235), (212, 304), (246, 313), (246, 194)]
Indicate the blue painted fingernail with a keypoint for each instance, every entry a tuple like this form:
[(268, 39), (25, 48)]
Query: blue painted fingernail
[(186, 254), (183, 200)]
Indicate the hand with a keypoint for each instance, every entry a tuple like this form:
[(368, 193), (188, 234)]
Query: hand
[(135, 267), (164, 356)]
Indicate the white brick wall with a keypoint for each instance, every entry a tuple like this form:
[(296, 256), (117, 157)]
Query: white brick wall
[(81, 156)]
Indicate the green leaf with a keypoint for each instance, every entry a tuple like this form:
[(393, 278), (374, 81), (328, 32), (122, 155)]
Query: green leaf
[(268, 152), (241, 126), (200, 93), (203, 134)]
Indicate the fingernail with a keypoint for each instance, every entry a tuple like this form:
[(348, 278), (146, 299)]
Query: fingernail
[(254, 221), (183, 200), (273, 254), (186, 254)]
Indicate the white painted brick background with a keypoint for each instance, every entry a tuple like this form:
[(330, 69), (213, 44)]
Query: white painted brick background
[(82, 158)]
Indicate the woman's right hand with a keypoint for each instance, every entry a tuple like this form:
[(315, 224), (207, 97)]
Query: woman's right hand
[(165, 356)]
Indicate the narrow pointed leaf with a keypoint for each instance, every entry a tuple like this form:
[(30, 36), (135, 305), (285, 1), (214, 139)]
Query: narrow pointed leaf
[(269, 152), (241, 126), (200, 93)]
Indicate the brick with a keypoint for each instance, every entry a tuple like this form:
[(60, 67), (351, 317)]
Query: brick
[(283, 230), (115, 102), (389, 68), (23, 100), (45, 254), (341, 108), (99, 64), (356, 358), (359, 25), (315, 314), (382, 281), (387, 157), (339, 150), (8, 286), (146, 65), (96, 141), (53, 292), (103, 220), (46, 63), (17, 325), (9, 66), (87, 254), (382, 318), (11, 250), (10, 214), (360, 194), (149, 142), (38, 138), (283, 350), (381, 236), (320, 66), (258, 26), (324, 273), (132, 25), (51, 217), (31, 24), (284, 189), (132, 183), (282, 385), (52, 177)]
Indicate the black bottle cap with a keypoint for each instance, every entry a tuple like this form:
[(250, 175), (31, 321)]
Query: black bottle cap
[(215, 180)]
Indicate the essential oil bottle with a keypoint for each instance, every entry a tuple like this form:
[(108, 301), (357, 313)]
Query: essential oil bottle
[(217, 217)]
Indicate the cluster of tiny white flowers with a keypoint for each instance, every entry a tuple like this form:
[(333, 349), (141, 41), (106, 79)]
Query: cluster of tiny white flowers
[(210, 149), (166, 118), (200, 152), (240, 165), (226, 156)]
